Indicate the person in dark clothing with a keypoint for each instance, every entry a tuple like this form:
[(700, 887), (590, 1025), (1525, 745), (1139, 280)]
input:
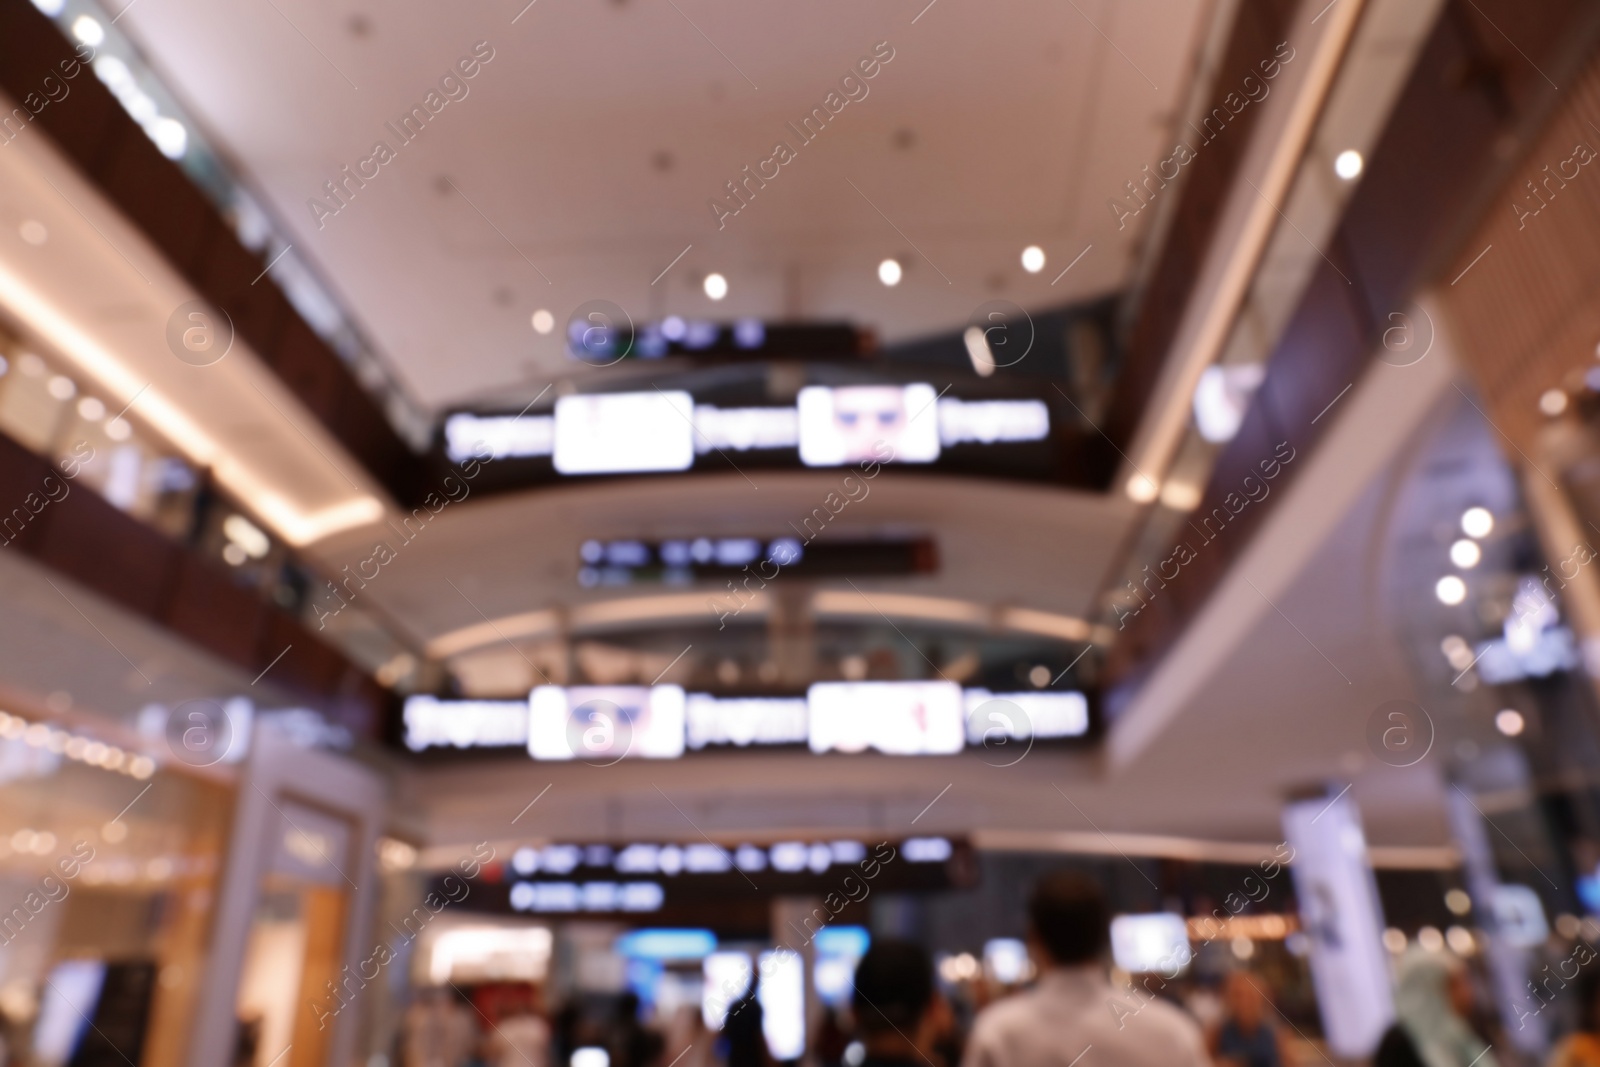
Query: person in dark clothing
[(899, 1012), (633, 1044), (742, 1033)]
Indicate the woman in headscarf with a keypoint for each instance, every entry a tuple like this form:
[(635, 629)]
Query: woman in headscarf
[(1433, 996)]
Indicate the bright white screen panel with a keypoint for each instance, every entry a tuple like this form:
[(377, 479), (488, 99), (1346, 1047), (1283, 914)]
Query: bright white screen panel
[(618, 433), (782, 994), (727, 978), (1343, 920), (1043, 715), (1145, 943), (845, 424), (899, 718), (603, 723)]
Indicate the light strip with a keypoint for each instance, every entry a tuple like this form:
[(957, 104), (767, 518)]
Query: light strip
[(653, 608), (527, 624), (95, 361), (1092, 843), (903, 605), (1047, 623), (827, 602)]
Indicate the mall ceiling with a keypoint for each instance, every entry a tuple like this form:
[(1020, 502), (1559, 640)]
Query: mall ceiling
[(445, 255), (581, 160)]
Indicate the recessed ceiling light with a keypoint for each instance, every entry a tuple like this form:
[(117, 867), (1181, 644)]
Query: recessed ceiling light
[(61, 387), (1477, 522), (1450, 590), (716, 286), (889, 272), (91, 409), (33, 232), (1465, 554), (1348, 164), (88, 31), (1509, 722), (543, 321), (1553, 402), (170, 135), (1141, 490), (1033, 259)]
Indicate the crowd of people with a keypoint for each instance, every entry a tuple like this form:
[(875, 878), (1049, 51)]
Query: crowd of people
[(899, 1017)]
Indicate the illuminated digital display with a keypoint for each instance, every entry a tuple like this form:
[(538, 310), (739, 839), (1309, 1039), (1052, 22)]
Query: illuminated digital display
[(782, 995), (838, 949), (743, 429), (727, 979), (1155, 942), (742, 721), (614, 433), (713, 559), (605, 433), (899, 718), (498, 437), (602, 724), (586, 896), (1021, 715), (987, 422), (866, 423), (682, 878), (431, 722)]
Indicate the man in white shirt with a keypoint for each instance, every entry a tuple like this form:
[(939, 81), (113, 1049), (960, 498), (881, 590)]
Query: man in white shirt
[(1073, 1013)]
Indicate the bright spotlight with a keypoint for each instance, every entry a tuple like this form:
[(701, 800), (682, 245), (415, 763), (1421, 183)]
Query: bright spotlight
[(88, 31), (889, 272), (1509, 722), (170, 135), (1477, 522), (1450, 590), (543, 321), (716, 286), (1465, 554), (1033, 259), (1348, 164), (1141, 490)]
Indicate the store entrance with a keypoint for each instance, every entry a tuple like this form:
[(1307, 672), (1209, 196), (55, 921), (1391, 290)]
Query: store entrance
[(287, 994)]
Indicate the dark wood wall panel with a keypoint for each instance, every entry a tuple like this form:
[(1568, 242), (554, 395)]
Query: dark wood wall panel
[(86, 539), (1528, 313)]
